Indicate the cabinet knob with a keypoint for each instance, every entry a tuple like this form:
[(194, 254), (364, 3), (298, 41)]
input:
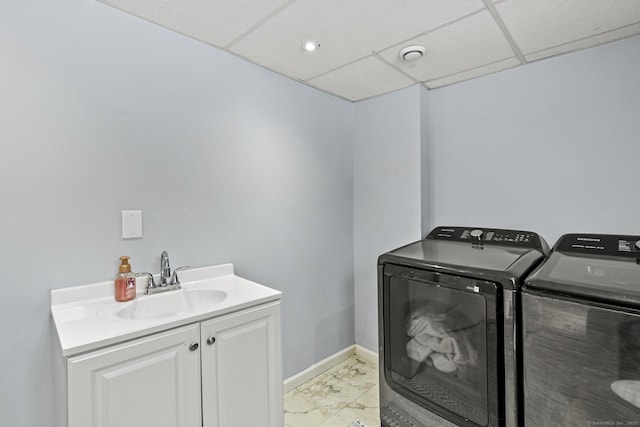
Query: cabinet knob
[(194, 346), (211, 340)]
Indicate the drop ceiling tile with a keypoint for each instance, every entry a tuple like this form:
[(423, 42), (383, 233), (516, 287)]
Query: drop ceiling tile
[(596, 40), (362, 79), (217, 22), (471, 74), (542, 24), (464, 45), (346, 30)]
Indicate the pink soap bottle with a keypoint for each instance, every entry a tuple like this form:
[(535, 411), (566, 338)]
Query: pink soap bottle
[(125, 283)]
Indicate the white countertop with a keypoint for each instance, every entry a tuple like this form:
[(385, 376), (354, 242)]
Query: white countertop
[(86, 317)]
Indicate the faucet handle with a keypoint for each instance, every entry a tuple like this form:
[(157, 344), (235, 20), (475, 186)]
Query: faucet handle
[(174, 277), (151, 283)]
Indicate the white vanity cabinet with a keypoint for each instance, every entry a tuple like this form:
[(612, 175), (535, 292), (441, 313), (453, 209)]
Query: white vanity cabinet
[(221, 372), (241, 369), (151, 381)]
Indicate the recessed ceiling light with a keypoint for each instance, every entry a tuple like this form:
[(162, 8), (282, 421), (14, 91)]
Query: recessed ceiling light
[(411, 53), (310, 46)]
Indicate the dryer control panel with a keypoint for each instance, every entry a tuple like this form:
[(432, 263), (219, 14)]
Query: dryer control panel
[(496, 236), (600, 244)]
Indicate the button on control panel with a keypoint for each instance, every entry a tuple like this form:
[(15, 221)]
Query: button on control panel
[(477, 233), (483, 235)]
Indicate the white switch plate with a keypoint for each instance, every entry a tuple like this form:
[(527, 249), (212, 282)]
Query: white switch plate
[(131, 224)]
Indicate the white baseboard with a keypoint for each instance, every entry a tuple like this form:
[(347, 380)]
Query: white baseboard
[(328, 363), (318, 368), (367, 354)]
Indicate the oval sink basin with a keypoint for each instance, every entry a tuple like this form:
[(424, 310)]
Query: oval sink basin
[(205, 298), (171, 304)]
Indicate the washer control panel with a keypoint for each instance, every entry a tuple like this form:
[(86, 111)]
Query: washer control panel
[(600, 244), (478, 235)]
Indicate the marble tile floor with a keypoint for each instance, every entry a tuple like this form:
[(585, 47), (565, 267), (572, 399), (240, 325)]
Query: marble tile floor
[(345, 393)]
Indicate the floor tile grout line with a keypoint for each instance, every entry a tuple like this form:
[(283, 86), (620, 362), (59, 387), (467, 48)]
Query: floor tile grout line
[(331, 373)]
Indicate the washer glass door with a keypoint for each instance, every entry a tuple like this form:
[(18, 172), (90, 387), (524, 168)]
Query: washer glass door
[(581, 363), (437, 336)]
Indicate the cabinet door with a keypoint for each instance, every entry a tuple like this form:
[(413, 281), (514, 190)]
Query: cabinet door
[(152, 381), (242, 369)]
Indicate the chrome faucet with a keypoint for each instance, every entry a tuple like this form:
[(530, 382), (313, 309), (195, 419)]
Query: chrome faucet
[(168, 281), (165, 269)]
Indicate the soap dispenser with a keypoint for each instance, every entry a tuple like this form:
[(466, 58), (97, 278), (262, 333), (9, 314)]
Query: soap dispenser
[(125, 283)]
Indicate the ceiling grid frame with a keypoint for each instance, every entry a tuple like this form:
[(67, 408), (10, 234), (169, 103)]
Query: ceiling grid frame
[(516, 49), (359, 40), (258, 25)]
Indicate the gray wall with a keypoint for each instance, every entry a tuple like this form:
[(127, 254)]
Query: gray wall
[(426, 183), (232, 163), (100, 112), (387, 192), (552, 147)]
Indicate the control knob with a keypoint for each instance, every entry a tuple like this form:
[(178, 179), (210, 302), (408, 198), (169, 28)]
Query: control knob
[(638, 245), (476, 233)]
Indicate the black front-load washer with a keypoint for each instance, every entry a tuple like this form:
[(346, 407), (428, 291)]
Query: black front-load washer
[(447, 327), (581, 320)]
